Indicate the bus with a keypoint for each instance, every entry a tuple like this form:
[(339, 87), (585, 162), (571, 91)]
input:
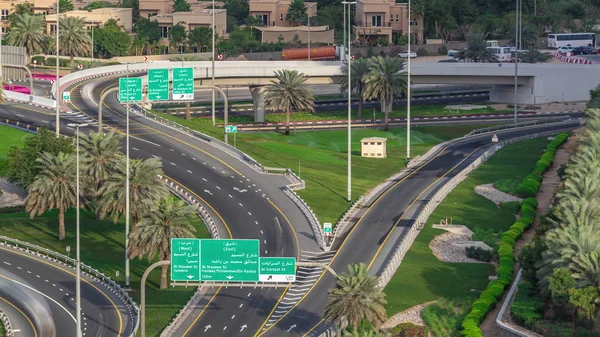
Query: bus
[(502, 53), (572, 39)]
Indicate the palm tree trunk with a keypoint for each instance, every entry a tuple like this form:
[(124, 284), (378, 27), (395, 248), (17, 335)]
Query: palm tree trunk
[(61, 223), (71, 60), (187, 110), (386, 113), (287, 122), (164, 271)]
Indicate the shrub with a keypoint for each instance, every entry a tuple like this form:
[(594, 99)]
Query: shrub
[(511, 206), (527, 307), (51, 61), (40, 60), (409, 330), (12, 209), (479, 254), (443, 317), (530, 254), (443, 50)]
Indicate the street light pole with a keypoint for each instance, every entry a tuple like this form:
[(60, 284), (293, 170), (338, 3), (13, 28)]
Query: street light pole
[(213, 62), (349, 98), (57, 82), (127, 183), (77, 246), (517, 42), (344, 30), (309, 37), (408, 93), (92, 40)]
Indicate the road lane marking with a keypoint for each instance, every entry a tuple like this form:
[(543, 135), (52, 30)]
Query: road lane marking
[(189, 171), (22, 313), (204, 179), (135, 148), (8, 263), (241, 204), (172, 163)]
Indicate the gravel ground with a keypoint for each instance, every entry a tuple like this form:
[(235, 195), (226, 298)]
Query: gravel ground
[(412, 315), (488, 191), (12, 195), (442, 248)]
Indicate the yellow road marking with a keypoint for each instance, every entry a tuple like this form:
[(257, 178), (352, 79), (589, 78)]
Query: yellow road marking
[(201, 312), (22, 313), (273, 310), (83, 279)]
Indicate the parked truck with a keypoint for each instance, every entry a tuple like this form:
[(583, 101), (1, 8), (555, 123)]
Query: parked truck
[(316, 53)]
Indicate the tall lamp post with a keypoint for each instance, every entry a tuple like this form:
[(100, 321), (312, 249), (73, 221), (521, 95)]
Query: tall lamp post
[(408, 92), (349, 3), (78, 263), (213, 62), (127, 183), (57, 73), (517, 45)]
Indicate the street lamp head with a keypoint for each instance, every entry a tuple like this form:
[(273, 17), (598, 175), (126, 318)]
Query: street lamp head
[(78, 125)]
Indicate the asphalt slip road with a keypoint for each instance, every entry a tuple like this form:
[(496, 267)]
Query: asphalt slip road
[(251, 215)]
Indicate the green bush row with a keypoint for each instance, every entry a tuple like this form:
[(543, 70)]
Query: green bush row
[(531, 183), (527, 307), (527, 189), (479, 253), (488, 298)]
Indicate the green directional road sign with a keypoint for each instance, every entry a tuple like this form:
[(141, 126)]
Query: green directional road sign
[(185, 259), (66, 96), (183, 84), (158, 84), (130, 89), (327, 227), (229, 260), (231, 129), (277, 269)]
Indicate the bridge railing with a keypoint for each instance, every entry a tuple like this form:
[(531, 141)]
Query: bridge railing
[(5, 321), (94, 274), (512, 126)]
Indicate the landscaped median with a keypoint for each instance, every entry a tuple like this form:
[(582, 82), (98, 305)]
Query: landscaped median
[(489, 297)]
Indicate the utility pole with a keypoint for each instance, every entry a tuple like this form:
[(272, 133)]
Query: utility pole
[(213, 63), (309, 37), (57, 82), (408, 93), (127, 187), (517, 43)]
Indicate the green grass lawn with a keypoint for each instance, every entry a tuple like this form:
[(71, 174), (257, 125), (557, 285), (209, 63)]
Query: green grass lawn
[(9, 137), (421, 276), (103, 247), (321, 158), (367, 113)]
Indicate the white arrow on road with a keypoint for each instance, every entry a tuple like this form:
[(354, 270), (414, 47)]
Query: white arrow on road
[(207, 191), (229, 277), (240, 190), (243, 327), (207, 327), (291, 327)]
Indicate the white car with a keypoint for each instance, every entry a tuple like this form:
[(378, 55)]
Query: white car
[(565, 49), (404, 55)]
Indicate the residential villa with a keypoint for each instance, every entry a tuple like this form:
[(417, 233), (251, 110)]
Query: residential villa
[(376, 18)]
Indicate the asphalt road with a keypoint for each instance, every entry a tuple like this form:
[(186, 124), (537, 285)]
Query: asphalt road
[(593, 58)]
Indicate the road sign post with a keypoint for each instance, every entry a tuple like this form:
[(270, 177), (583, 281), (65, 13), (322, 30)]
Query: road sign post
[(185, 258), (183, 84), (130, 89), (66, 96), (277, 269), (158, 84), (229, 260)]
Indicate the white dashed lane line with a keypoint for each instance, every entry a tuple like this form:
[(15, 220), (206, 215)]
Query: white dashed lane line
[(193, 158), (183, 154), (256, 222), (135, 148), (189, 171), (204, 179), (249, 213), (8, 263), (241, 204), (172, 150), (248, 294), (218, 188), (241, 305), (261, 232), (19, 268), (230, 196), (155, 156), (172, 163)]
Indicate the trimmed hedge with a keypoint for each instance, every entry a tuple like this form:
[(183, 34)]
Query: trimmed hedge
[(528, 189), (531, 183), (527, 307)]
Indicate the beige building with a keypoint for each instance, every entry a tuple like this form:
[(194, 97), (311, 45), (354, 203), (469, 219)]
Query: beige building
[(96, 18), (42, 6), (196, 18), (373, 147), (273, 12), (149, 8), (318, 34), (375, 18)]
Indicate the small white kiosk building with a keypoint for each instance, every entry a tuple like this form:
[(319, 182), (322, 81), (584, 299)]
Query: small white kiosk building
[(373, 147)]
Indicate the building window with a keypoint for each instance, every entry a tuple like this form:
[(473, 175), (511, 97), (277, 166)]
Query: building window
[(164, 31), (391, 17), (397, 17), (264, 18), (52, 28), (281, 17), (376, 21), (4, 14), (413, 23)]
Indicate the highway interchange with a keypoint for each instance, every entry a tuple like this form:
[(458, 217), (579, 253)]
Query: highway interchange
[(262, 212)]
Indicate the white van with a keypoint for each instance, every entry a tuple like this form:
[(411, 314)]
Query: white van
[(502, 53), (491, 43)]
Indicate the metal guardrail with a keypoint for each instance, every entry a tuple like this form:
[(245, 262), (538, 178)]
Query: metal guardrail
[(94, 274), (513, 126), (4, 320)]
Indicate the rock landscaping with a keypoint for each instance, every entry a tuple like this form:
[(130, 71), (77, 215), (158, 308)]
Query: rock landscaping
[(412, 315), (12, 195), (446, 248), (488, 191)]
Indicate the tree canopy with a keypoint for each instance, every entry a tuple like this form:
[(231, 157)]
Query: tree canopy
[(181, 6), (111, 40)]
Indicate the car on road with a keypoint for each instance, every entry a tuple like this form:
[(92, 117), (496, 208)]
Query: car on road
[(404, 55), (565, 49), (584, 50)]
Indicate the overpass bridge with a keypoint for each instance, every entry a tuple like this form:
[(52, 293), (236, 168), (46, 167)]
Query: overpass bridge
[(537, 83)]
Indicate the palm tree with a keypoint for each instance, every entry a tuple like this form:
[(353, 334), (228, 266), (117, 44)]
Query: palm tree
[(101, 156), (365, 333), (357, 296), (54, 187), (27, 31), (146, 188), (360, 68), (169, 219), (296, 13), (476, 50), (290, 92), (74, 38), (385, 81), (528, 36), (533, 55)]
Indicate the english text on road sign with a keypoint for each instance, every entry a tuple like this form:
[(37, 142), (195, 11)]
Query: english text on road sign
[(277, 269), (229, 260), (231, 129), (66, 96), (158, 84), (183, 84), (130, 89), (185, 259)]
